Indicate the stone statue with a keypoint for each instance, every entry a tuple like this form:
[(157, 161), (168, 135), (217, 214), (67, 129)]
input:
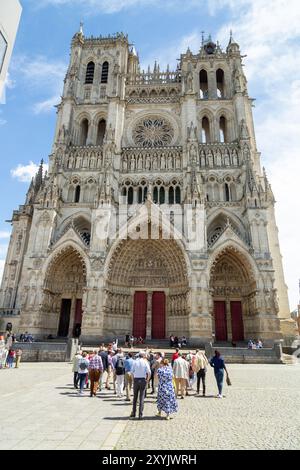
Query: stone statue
[(193, 155), (218, 158), (132, 163), (210, 159), (244, 133), (189, 81), (236, 81), (202, 159)]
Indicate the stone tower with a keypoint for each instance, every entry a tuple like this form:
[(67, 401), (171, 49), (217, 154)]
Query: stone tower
[(155, 216)]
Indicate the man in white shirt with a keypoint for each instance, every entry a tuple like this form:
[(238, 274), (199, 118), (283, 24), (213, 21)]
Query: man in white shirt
[(181, 375), (141, 373)]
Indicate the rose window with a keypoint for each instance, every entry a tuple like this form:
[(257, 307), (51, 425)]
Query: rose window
[(153, 132)]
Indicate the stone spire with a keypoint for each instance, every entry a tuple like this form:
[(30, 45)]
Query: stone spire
[(39, 176)]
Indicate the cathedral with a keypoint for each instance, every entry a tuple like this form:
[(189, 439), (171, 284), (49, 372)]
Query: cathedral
[(155, 216)]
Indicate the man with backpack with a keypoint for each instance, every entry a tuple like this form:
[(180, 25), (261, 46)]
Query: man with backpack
[(83, 371), (120, 373)]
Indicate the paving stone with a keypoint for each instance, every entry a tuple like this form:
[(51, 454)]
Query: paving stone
[(259, 411)]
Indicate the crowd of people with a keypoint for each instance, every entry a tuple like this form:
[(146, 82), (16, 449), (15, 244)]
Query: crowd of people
[(176, 342), (9, 355), (255, 344), (133, 376)]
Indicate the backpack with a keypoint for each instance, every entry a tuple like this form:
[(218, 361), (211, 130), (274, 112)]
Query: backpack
[(120, 366), (83, 364)]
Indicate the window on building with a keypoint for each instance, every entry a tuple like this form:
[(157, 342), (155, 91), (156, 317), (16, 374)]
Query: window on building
[(101, 131), (177, 195), (84, 129), (104, 73), (155, 195), (77, 193), (89, 76), (227, 193), (145, 193), (140, 195), (171, 195), (203, 85), (220, 83), (130, 195), (205, 135), (162, 195), (222, 127)]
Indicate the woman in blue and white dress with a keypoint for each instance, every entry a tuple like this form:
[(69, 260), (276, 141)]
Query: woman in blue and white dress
[(166, 398)]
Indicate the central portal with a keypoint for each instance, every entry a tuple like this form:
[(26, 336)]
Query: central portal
[(147, 292), (158, 314)]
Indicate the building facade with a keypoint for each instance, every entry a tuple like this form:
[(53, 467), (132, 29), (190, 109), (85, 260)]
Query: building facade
[(155, 216), (10, 14)]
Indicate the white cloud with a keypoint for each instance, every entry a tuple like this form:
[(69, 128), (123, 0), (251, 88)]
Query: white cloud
[(24, 173), (115, 6), (4, 234), (39, 75), (46, 106), (168, 55), (3, 250)]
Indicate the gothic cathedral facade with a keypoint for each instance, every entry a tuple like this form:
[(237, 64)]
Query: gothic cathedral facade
[(155, 217)]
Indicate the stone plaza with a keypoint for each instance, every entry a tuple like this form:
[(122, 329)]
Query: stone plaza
[(41, 410)]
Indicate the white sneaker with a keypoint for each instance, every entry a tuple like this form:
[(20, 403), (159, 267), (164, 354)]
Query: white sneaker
[(220, 396)]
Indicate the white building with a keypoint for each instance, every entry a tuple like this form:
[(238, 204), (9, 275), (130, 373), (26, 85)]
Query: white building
[(10, 14), (155, 217)]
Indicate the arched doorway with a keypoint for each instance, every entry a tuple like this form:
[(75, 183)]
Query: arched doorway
[(231, 286), (147, 289), (63, 291)]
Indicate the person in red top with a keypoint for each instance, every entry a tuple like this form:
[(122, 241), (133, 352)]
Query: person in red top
[(175, 356)]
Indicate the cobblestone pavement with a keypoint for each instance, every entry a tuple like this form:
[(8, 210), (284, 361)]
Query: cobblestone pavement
[(40, 410), (260, 411)]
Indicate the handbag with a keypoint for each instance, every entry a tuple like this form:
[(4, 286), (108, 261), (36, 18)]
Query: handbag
[(228, 381)]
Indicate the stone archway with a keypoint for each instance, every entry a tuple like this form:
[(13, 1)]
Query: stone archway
[(147, 289), (64, 285), (232, 285)]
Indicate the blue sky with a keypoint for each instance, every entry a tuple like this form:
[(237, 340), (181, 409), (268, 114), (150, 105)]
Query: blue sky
[(267, 30)]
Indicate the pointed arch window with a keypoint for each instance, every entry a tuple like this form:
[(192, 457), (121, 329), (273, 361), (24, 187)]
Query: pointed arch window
[(162, 195), (130, 195), (205, 131), (77, 194), (101, 131), (222, 127), (140, 195), (90, 71), (177, 195), (227, 193), (203, 85), (104, 73), (84, 129), (220, 83), (155, 195), (171, 195)]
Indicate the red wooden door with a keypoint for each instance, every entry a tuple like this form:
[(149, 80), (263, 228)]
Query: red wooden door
[(220, 321), (237, 325), (139, 314), (158, 315)]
